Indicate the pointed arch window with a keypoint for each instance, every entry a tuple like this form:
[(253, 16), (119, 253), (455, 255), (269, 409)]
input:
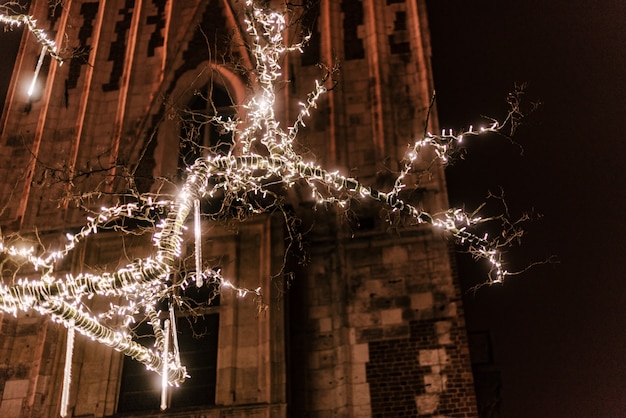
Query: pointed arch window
[(200, 135)]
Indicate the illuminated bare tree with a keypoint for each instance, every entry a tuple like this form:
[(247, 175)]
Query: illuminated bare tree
[(245, 182)]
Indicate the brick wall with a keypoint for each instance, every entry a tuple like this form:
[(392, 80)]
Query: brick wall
[(378, 330)]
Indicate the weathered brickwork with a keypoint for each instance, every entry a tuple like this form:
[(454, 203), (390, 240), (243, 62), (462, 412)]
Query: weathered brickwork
[(370, 324), (421, 375)]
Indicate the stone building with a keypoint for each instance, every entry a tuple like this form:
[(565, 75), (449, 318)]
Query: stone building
[(370, 326)]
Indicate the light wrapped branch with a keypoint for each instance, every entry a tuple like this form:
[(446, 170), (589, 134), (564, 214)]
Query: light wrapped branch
[(40, 35)]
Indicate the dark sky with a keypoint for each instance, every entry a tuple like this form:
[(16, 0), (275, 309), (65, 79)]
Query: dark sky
[(9, 44), (558, 331)]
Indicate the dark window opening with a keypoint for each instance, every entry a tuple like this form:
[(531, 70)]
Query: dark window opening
[(353, 17), (197, 330), (310, 15)]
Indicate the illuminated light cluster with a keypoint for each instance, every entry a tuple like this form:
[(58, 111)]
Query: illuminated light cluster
[(267, 157), (40, 35), (48, 45)]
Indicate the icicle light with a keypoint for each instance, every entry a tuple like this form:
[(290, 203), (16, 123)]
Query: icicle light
[(166, 349), (31, 89), (40, 35), (67, 371), (197, 225)]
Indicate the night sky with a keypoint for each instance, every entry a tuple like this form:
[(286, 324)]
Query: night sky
[(558, 332)]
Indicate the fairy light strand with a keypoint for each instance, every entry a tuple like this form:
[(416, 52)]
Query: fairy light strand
[(40, 35)]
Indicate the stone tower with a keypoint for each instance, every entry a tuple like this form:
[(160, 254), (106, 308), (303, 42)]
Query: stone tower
[(370, 326)]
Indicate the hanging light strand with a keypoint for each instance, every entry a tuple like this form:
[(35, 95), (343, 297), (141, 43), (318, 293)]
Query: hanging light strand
[(198, 241), (67, 371)]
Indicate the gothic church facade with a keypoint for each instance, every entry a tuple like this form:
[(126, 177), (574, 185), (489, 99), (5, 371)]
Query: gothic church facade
[(370, 325)]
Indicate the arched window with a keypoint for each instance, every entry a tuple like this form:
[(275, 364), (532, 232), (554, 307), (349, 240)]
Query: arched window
[(200, 134), (188, 132)]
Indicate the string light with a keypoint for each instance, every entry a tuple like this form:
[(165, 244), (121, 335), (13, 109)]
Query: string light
[(267, 157), (40, 35)]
